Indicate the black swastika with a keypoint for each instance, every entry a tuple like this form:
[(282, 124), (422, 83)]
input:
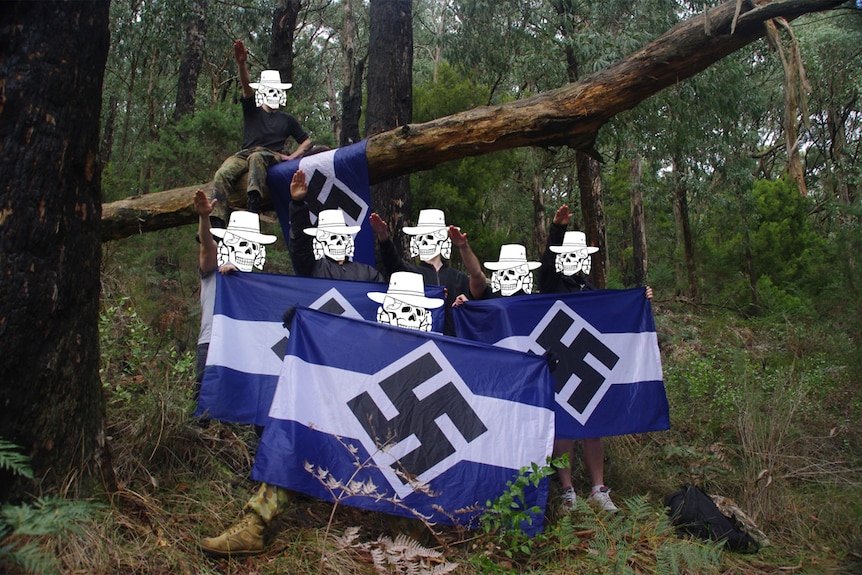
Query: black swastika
[(337, 198), (571, 359), (416, 417)]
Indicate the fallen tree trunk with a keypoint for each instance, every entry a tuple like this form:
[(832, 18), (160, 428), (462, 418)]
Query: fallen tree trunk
[(570, 115)]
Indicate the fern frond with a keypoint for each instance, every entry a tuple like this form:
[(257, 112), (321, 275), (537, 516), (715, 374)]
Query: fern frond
[(29, 558), (14, 461)]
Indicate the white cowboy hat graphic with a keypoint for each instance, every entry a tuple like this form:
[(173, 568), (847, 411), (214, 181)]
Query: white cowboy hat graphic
[(409, 288), (270, 79), (245, 225), (572, 242), (429, 221), (512, 256), (332, 221)]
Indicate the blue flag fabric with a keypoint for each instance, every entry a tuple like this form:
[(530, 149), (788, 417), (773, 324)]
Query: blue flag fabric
[(608, 375), (336, 179), (248, 340), (405, 422)]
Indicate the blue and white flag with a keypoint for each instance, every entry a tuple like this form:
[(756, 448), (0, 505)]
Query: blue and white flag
[(248, 340), (404, 422), (608, 373), (336, 179)]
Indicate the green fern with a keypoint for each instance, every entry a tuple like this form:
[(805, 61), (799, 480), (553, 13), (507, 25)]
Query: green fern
[(637, 539), (44, 517), (12, 460)]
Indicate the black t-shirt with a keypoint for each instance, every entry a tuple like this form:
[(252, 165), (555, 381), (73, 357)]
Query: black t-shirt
[(262, 129)]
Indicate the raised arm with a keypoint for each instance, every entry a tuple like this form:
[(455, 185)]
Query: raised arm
[(300, 245), (208, 253), (478, 281), (240, 54)]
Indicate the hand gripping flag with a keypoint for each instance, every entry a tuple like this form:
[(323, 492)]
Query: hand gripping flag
[(405, 422), (336, 179), (248, 340), (603, 349)]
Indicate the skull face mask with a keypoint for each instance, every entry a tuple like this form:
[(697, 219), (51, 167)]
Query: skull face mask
[(241, 252), (404, 304), (272, 97), (431, 244), (398, 313), (570, 263), (509, 281), (336, 247)]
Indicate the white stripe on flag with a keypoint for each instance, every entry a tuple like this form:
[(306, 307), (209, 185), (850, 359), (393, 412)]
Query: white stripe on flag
[(246, 346), (639, 355), (316, 396)]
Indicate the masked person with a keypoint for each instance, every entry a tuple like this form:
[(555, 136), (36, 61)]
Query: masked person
[(431, 241), (324, 251), (565, 265), (511, 274), (242, 248), (265, 133)]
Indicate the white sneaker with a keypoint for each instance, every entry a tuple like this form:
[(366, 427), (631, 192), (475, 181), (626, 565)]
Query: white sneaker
[(567, 499), (602, 498)]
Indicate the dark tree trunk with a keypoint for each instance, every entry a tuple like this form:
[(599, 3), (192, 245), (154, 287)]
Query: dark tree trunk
[(588, 168), (193, 59), (540, 224), (351, 106), (108, 131), (683, 227), (639, 243), (390, 97), (593, 213), (52, 65), (354, 70), (283, 27)]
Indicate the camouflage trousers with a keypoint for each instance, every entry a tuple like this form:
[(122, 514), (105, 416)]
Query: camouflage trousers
[(268, 502), (254, 162)]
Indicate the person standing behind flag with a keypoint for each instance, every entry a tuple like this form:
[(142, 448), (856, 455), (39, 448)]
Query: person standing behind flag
[(431, 240), (565, 263), (207, 265), (265, 132), (246, 536), (323, 251), (511, 274)]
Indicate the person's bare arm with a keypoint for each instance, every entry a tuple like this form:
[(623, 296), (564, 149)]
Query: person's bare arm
[(299, 151), (478, 281), (381, 230), (240, 54), (208, 253)]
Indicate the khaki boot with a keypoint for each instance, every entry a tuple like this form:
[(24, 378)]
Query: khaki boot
[(244, 538)]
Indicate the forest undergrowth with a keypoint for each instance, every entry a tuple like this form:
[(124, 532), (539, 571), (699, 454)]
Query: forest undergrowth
[(764, 411)]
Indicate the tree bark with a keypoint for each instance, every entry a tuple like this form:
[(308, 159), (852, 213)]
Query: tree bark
[(192, 61), (683, 227), (593, 213), (351, 93), (570, 115), (283, 27), (639, 244), (52, 67), (390, 98)]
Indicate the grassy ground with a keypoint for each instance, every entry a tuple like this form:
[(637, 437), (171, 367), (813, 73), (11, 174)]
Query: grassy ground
[(765, 413)]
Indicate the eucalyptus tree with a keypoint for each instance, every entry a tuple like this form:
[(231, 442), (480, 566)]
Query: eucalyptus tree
[(51, 399), (192, 59), (390, 97), (833, 61)]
